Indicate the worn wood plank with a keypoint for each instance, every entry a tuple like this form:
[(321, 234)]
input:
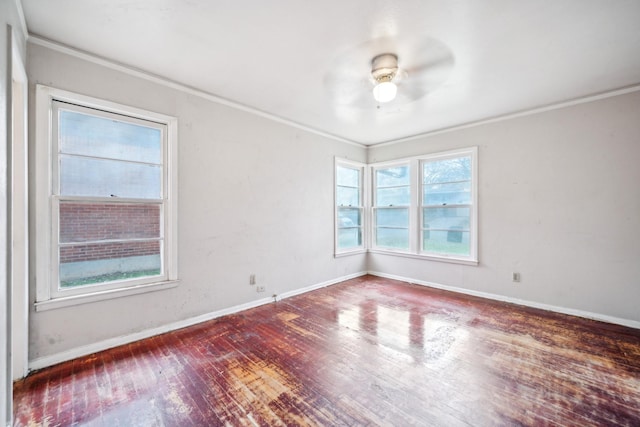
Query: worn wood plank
[(368, 351)]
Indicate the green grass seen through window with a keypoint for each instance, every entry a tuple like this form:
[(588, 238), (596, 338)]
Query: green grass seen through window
[(112, 277)]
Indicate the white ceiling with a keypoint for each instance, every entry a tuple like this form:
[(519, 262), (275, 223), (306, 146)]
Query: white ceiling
[(285, 57)]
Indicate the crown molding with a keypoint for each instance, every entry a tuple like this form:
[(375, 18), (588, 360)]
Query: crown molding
[(108, 63), (528, 112), (21, 19), (142, 74)]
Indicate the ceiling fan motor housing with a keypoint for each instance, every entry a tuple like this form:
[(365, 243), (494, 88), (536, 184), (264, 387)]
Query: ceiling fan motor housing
[(384, 67)]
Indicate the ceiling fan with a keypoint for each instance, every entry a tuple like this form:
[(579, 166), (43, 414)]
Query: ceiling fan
[(388, 71)]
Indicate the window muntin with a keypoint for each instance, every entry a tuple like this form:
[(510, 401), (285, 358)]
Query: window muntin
[(392, 202), (349, 207), (447, 198)]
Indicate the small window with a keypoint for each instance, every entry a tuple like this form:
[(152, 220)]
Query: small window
[(111, 220), (391, 206), (349, 196)]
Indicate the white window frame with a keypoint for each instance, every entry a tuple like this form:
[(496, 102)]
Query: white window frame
[(48, 294), (415, 211), (363, 192), (409, 207)]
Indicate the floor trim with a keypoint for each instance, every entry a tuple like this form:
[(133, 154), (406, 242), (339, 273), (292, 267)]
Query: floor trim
[(318, 286), (45, 361), (496, 297)]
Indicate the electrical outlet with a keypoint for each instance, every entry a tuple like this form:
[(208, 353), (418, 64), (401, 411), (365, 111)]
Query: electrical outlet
[(261, 288), (515, 277), (252, 279)]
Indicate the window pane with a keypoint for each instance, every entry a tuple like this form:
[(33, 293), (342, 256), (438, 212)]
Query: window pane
[(349, 217), (87, 264), (392, 237), (349, 238), (80, 176), (81, 222), (348, 177), (392, 217), (452, 242), (446, 218), (453, 193), (447, 170), (88, 135), (394, 196), (347, 196), (392, 176)]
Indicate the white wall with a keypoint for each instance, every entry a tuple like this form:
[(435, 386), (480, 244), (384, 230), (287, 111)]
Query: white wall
[(255, 196), (559, 202)]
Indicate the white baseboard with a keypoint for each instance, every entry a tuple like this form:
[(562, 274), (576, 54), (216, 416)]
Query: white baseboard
[(573, 312), (45, 361), (295, 292)]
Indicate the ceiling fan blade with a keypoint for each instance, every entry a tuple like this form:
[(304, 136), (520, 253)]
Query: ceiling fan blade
[(436, 67), (425, 55), (344, 88), (417, 84), (426, 69)]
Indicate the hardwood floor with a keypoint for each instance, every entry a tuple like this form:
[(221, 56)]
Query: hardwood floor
[(368, 351)]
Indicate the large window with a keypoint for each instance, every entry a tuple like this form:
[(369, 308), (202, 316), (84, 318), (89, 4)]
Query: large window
[(111, 210), (426, 207), (349, 196)]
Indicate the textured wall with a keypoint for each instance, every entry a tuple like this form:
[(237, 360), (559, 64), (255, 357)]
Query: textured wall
[(254, 197), (558, 202)]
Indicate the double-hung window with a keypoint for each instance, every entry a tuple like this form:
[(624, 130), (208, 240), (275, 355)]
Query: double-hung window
[(392, 206), (349, 214), (426, 207), (108, 186), (447, 205)]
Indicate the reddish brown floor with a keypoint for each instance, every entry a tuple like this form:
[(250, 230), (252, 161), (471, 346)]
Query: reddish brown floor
[(369, 351)]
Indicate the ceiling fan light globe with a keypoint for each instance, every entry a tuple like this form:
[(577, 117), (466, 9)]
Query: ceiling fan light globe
[(385, 91)]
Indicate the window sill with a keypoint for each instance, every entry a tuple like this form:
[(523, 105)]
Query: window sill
[(61, 302), (463, 261), (347, 253)]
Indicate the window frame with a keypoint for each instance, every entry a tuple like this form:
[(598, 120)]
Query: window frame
[(472, 205), (415, 212), (374, 208), (363, 191), (47, 201)]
